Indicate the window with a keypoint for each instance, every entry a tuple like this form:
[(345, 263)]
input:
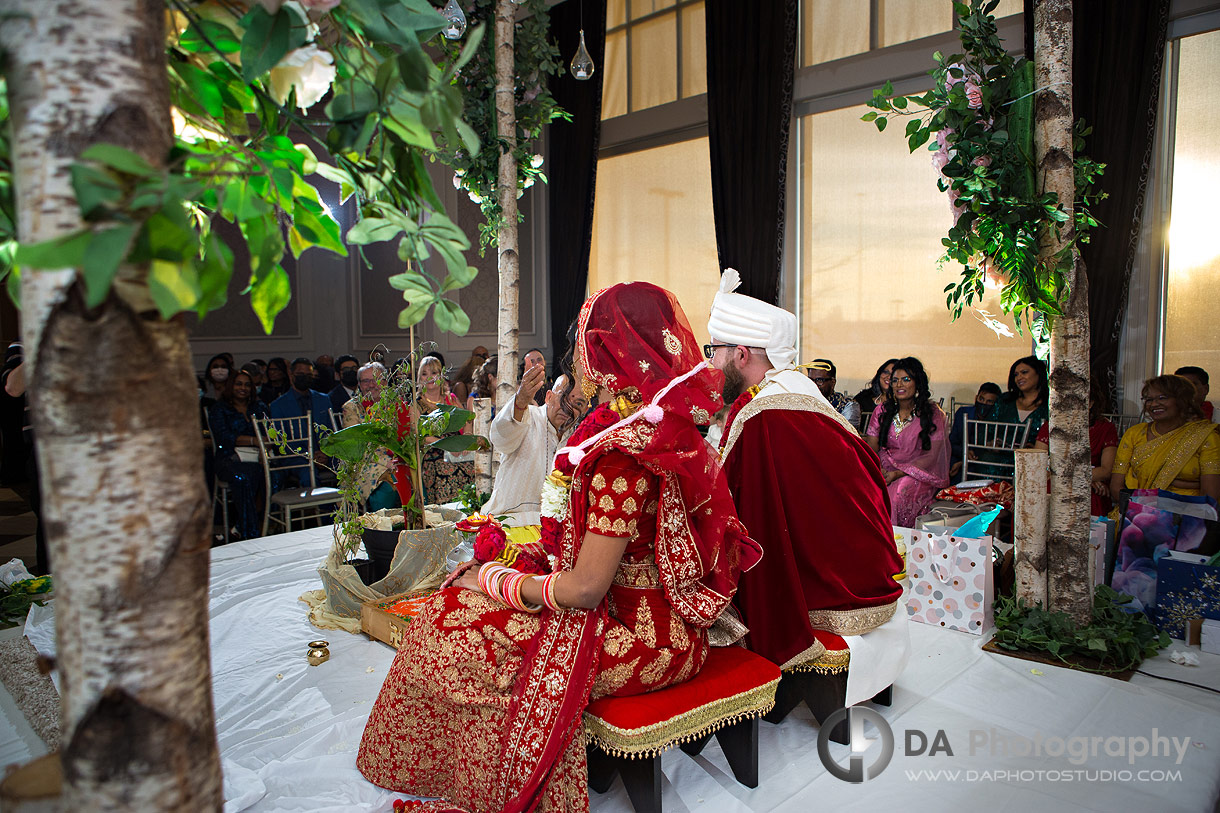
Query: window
[(652, 222), (655, 54), (871, 220), (1192, 332)]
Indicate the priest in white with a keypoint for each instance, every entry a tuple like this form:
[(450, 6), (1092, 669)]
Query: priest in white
[(526, 436)]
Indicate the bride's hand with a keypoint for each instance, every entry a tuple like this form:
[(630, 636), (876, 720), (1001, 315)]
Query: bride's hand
[(469, 579), (453, 577)]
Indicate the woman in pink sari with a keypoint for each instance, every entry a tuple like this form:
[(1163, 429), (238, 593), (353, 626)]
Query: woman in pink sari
[(908, 431)]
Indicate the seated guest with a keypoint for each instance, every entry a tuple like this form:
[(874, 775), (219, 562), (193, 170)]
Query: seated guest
[(483, 702), (1198, 376), (811, 492), (874, 394), (526, 437), (311, 406), (1103, 446), (442, 478), (908, 431), (277, 382), (349, 369), (463, 379), (1176, 449), (823, 373), (984, 401), (256, 375), (324, 373), (1028, 398), (375, 474), (215, 378), (485, 383), (231, 419)]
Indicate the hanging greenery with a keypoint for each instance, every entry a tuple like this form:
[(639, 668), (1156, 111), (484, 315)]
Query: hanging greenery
[(978, 122), (258, 88), (536, 58)]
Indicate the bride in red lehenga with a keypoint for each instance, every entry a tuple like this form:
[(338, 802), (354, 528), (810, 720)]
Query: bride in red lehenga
[(483, 704)]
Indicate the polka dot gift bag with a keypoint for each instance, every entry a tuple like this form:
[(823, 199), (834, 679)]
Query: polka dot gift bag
[(952, 583)]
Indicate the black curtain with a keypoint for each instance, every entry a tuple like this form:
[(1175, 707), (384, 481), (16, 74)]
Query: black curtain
[(1117, 57), (750, 52), (572, 158)]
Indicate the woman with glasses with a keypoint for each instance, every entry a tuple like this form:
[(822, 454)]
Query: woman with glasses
[(908, 432), (1174, 450), (877, 391)]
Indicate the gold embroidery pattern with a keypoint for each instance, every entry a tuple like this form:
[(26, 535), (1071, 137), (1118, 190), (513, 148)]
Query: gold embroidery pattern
[(852, 622), (829, 662), (651, 508), (648, 741), (598, 483), (641, 486), (619, 485), (672, 345), (644, 366), (606, 503), (645, 630), (783, 400), (639, 575), (630, 506), (701, 415)]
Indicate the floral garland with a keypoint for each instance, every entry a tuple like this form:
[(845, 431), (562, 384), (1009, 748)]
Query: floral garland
[(980, 113)]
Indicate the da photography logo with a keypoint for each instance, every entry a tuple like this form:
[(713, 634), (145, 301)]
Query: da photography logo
[(862, 749)]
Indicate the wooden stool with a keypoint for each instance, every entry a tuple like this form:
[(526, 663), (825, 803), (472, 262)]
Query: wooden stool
[(822, 685), (627, 735)]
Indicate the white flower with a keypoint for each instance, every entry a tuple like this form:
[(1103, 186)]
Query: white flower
[(555, 500), (309, 69), (536, 161), (190, 132), (457, 181), (475, 198)]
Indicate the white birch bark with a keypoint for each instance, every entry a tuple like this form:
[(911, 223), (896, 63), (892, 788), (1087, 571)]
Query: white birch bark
[(1029, 526), (1067, 542), (506, 189), (115, 414)]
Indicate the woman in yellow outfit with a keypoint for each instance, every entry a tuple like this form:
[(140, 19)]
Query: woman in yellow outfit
[(1175, 450)]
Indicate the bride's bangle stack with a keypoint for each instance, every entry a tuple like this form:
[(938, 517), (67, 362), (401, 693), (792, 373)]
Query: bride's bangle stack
[(548, 591), (504, 583)]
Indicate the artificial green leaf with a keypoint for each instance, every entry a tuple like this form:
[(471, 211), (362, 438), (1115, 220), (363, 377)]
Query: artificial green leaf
[(410, 282), (312, 226), (173, 287), (269, 296), (267, 39), (414, 312), (450, 317), (118, 158), (350, 443), (215, 269), (67, 251), (204, 89), (106, 252), (208, 35), (97, 191), (416, 70), (372, 230), (881, 122), (456, 443), (242, 202)]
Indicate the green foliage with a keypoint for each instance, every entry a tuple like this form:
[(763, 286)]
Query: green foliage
[(979, 121), (1116, 637), (8, 207), (245, 153), (536, 58), (472, 499), (16, 599)]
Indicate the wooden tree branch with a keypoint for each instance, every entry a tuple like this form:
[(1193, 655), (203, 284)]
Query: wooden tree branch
[(506, 189), (1070, 472)]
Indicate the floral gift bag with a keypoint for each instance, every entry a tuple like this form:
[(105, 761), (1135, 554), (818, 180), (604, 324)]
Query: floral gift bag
[(952, 582)]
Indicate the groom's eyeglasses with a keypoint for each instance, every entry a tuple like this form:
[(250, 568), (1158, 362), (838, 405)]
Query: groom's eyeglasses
[(709, 350)]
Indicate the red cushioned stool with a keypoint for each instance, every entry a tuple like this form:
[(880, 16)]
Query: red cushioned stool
[(821, 683), (626, 735)]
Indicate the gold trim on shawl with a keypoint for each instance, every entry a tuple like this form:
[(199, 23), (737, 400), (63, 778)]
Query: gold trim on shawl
[(782, 400), (828, 662), (852, 622), (638, 575), (1185, 447), (649, 741)]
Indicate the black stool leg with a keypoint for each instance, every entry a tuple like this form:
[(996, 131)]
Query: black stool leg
[(788, 695), (740, 745), (602, 769), (694, 747), (643, 780), (826, 694), (885, 697)]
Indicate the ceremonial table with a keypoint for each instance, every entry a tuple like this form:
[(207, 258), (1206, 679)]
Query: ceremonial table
[(289, 731)]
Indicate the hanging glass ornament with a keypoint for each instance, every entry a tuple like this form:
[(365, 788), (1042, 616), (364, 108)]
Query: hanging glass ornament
[(457, 20), (582, 64)]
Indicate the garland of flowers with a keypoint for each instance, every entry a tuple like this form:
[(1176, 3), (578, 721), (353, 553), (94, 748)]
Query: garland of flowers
[(980, 113), (536, 58)]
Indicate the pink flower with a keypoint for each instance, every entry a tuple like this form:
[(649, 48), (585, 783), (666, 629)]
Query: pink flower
[(982, 161), (974, 95), (939, 159), (950, 79), (942, 137)]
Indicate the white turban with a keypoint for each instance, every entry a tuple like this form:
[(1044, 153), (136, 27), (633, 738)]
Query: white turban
[(747, 321)]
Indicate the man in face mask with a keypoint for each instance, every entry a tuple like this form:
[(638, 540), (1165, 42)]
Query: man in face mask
[(347, 366), (324, 373), (302, 402)]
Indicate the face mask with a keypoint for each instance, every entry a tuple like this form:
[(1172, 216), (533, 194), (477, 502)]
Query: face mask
[(348, 377), (220, 374), (302, 381)]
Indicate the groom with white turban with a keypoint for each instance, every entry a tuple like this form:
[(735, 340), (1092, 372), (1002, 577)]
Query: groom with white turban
[(811, 492)]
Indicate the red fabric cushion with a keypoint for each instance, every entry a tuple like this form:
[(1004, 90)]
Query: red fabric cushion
[(829, 640), (728, 672)]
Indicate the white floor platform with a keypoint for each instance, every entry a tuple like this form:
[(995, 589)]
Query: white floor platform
[(289, 732)]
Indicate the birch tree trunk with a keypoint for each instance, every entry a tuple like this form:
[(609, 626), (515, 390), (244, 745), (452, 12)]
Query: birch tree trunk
[(1067, 543), (115, 414), (1029, 526), (506, 189)]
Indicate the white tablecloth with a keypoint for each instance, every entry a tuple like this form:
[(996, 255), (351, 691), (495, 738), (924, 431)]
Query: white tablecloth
[(289, 743)]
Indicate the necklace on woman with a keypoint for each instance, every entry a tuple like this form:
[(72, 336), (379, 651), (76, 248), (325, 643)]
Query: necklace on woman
[(900, 422)]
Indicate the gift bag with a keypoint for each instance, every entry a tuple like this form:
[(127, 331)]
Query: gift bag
[(1101, 531), (952, 582), (943, 518), (1184, 590)]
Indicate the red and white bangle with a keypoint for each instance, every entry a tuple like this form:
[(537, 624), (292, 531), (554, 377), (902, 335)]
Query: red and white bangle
[(548, 591), (512, 591)]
